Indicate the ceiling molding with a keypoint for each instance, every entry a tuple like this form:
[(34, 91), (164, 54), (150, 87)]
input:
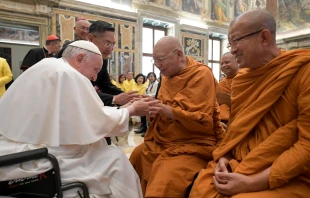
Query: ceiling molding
[(98, 9)]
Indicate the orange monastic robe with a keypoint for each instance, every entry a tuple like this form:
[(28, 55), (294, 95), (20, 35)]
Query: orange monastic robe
[(174, 150), (225, 86), (270, 127)]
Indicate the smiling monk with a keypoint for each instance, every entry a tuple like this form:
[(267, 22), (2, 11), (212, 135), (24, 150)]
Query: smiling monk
[(180, 141), (266, 151), (230, 68)]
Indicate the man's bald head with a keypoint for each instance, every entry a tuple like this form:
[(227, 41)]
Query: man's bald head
[(168, 56), (81, 29), (129, 75), (255, 20), (168, 43), (229, 66), (252, 37)]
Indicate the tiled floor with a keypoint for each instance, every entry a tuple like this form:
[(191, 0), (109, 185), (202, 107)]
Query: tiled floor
[(128, 142)]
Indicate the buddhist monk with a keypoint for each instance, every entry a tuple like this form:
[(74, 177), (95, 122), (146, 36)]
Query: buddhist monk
[(180, 141), (266, 150), (230, 68)]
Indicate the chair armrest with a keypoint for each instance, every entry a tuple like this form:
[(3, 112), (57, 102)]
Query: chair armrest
[(24, 156)]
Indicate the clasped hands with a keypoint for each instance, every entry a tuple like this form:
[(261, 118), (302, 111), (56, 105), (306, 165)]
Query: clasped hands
[(228, 183), (143, 106)]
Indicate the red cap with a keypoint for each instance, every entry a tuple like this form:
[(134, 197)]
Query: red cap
[(52, 38), (80, 19)]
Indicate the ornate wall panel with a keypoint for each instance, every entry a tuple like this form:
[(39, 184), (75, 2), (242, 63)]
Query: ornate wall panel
[(122, 59), (194, 45)]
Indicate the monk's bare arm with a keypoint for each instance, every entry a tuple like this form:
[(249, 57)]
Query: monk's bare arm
[(260, 181)]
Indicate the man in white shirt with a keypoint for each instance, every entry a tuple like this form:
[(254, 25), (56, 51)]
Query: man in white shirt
[(61, 110)]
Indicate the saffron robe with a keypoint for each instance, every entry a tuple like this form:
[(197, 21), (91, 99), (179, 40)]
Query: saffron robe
[(174, 150), (269, 128), (225, 87)]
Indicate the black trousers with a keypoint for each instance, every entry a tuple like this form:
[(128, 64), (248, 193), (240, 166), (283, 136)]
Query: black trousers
[(109, 141), (143, 122)]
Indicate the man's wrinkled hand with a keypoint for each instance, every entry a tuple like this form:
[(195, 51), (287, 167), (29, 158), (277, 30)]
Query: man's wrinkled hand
[(124, 98), (144, 107)]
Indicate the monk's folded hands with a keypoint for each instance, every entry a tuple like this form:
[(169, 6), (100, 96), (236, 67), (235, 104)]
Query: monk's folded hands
[(222, 165), (232, 183), (235, 183)]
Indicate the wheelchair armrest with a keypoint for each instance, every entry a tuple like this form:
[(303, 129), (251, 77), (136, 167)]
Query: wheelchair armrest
[(24, 156)]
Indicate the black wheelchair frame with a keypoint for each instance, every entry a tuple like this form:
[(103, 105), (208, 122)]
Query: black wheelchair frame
[(36, 154)]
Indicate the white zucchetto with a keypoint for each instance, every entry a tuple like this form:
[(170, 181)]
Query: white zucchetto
[(86, 45)]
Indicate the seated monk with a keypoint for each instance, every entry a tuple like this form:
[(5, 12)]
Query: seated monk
[(230, 68), (179, 142), (266, 152), (54, 105)]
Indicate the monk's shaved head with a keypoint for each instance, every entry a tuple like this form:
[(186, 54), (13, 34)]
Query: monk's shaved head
[(229, 66), (168, 56), (256, 20), (252, 38), (169, 43)]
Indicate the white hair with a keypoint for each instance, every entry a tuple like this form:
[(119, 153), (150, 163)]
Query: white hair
[(72, 51)]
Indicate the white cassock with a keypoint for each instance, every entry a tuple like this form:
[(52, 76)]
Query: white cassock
[(52, 105)]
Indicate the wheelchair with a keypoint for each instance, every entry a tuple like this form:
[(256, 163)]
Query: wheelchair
[(44, 185)]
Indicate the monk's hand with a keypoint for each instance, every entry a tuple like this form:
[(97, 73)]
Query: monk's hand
[(221, 166), (154, 111), (236, 183), (144, 107), (124, 98)]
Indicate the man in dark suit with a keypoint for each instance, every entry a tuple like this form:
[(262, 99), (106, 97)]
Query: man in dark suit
[(52, 46), (102, 35)]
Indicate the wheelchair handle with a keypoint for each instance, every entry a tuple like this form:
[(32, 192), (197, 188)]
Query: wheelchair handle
[(15, 158)]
